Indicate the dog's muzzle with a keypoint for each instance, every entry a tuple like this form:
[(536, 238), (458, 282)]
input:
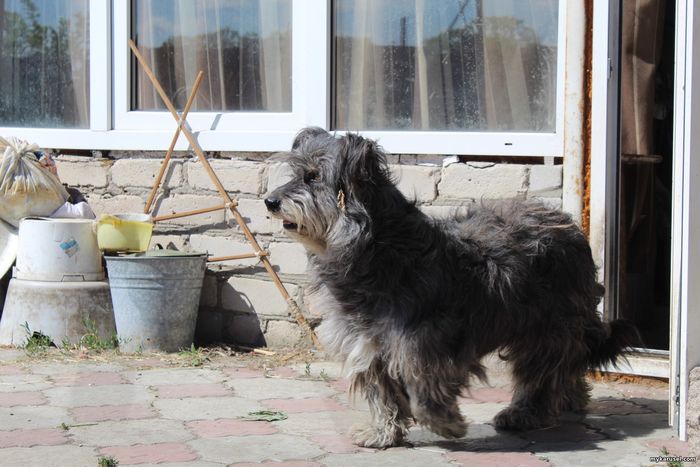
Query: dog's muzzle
[(273, 205)]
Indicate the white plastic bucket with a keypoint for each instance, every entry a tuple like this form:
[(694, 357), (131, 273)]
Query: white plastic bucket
[(58, 250), (156, 299)]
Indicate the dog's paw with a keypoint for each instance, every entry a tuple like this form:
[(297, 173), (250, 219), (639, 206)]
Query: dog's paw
[(377, 437), (519, 419), (453, 430)]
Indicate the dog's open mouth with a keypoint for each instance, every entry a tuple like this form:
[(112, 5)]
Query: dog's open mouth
[(288, 225)]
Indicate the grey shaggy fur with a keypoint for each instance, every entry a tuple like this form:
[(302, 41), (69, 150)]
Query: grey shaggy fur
[(413, 304)]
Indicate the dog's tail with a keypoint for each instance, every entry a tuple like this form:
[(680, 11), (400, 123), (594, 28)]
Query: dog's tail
[(620, 336)]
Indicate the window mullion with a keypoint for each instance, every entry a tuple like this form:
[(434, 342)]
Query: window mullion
[(100, 65)]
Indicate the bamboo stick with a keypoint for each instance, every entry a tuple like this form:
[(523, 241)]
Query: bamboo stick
[(176, 136), (216, 259), (194, 212)]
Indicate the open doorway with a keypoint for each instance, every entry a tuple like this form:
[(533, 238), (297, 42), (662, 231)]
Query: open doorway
[(645, 167)]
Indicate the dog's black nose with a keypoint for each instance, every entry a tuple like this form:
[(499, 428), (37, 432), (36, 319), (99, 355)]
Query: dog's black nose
[(273, 204)]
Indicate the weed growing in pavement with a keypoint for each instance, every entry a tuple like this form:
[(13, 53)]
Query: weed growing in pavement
[(108, 461), (194, 355), (91, 340), (37, 342)]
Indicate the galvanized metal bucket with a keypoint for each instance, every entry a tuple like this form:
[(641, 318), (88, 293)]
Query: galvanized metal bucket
[(156, 299)]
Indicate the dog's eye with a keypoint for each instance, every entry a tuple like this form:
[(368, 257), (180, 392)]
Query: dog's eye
[(311, 177)]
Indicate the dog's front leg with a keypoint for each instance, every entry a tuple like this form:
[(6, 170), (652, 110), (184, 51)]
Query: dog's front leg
[(433, 402), (388, 405)]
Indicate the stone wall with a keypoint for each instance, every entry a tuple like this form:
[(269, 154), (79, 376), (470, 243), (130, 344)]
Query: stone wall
[(693, 413), (240, 304)]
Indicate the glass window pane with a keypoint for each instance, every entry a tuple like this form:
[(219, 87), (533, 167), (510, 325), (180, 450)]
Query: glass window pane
[(479, 65), (244, 48), (44, 63)]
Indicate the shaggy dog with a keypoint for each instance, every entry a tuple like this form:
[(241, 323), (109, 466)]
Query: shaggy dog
[(414, 303)]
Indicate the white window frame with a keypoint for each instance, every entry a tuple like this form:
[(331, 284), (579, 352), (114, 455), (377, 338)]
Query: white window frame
[(114, 126), (222, 130)]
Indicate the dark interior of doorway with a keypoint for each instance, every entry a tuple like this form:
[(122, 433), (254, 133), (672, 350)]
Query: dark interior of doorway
[(646, 162)]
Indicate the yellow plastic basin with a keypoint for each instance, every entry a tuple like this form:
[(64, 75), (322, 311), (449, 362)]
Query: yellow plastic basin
[(124, 232)]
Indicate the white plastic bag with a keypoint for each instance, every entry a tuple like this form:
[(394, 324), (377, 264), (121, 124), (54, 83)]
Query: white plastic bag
[(26, 188)]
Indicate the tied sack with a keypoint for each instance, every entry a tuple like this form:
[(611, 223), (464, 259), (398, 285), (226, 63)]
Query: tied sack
[(26, 188)]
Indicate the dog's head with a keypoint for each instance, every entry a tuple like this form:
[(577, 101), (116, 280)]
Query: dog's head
[(336, 182)]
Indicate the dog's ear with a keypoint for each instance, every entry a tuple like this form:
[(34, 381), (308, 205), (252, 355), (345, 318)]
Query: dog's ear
[(307, 134), (364, 160)]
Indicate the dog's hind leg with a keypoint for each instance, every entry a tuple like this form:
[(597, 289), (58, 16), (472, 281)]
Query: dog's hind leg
[(434, 405), (542, 392), (388, 405)]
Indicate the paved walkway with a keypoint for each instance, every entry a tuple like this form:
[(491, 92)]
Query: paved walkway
[(153, 409)]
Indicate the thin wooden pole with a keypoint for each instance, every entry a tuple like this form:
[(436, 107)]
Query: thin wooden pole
[(216, 259), (194, 212), (171, 148), (224, 194)]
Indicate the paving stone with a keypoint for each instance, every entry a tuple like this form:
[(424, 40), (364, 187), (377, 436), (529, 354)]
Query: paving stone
[(178, 391), (480, 395), (194, 463), (639, 426), (675, 447), (339, 423), (480, 437), (34, 437), (44, 416), (279, 464), (304, 405), (206, 408), (481, 413), (77, 396), (112, 412), (11, 399), (12, 370), (11, 355), (244, 372), (163, 376), (129, 432), (390, 457), (270, 388), (329, 370), (496, 459), (283, 372), (610, 453), (49, 456), (616, 407), (228, 427), (52, 369), (276, 447), (337, 444), (23, 382), (91, 378), (155, 453)]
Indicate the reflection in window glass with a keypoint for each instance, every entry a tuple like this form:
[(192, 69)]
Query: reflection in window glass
[(445, 64), (244, 48), (44, 63)]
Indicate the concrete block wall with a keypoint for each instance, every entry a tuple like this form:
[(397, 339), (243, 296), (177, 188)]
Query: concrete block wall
[(240, 304), (693, 412)]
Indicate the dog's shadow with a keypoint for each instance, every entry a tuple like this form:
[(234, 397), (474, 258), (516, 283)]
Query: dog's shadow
[(608, 419)]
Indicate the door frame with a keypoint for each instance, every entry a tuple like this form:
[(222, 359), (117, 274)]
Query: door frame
[(684, 352)]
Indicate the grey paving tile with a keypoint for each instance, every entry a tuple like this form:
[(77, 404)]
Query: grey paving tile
[(80, 396), (278, 388), (49, 456), (129, 432), (275, 447), (206, 408)]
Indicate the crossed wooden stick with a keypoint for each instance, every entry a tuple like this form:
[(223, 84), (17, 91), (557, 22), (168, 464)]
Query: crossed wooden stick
[(229, 203)]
